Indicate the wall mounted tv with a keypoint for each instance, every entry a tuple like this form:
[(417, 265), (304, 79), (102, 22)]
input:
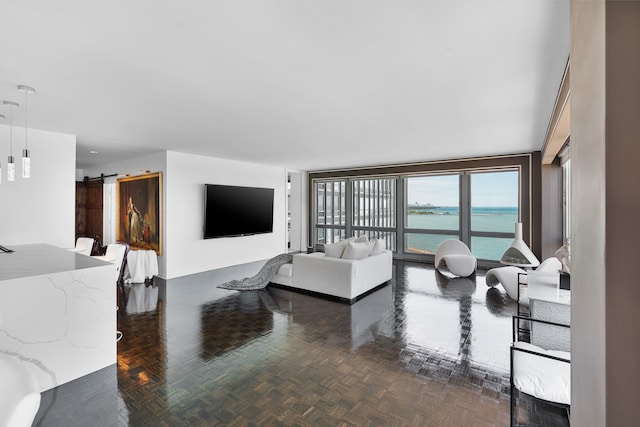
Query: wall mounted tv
[(231, 211)]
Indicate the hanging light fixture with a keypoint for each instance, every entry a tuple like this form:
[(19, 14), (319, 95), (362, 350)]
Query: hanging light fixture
[(2, 116), (11, 166), (26, 161)]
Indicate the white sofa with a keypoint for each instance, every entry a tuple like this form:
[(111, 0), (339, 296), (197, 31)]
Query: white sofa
[(346, 279)]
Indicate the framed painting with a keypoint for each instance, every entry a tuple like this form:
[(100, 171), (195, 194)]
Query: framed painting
[(139, 211)]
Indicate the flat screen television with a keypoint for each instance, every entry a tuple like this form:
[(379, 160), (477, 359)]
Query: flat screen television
[(231, 211)]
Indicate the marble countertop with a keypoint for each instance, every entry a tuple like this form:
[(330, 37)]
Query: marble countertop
[(38, 259)]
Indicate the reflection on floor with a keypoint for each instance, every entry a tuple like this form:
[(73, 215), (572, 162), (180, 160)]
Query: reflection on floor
[(141, 297), (424, 350)]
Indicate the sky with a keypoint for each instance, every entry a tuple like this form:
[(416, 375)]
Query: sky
[(487, 189)]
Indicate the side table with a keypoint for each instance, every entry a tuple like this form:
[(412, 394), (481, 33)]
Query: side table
[(548, 302)]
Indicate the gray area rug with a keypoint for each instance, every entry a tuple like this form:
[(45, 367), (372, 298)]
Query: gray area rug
[(260, 280)]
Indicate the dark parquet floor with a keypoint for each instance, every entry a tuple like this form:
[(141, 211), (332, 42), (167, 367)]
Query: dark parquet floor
[(423, 351)]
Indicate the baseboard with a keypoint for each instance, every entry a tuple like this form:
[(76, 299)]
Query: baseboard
[(327, 296)]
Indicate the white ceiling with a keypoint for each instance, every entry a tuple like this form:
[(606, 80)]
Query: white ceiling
[(302, 84)]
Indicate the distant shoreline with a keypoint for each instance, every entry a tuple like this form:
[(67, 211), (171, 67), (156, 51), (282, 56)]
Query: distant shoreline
[(454, 210)]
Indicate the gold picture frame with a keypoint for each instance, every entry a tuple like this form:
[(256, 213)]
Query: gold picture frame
[(139, 211)]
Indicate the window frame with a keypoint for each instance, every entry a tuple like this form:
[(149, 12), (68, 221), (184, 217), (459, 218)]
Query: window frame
[(527, 164), (565, 164), (464, 232)]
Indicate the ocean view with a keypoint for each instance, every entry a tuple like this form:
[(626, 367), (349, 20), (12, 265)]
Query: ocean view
[(492, 219)]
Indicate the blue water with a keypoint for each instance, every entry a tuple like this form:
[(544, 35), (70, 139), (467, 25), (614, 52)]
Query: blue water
[(492, 219), (481, 210)]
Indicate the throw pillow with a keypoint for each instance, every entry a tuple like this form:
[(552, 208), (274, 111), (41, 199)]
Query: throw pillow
[(379, 246), (335, 250), (356, 250), (360, 239)]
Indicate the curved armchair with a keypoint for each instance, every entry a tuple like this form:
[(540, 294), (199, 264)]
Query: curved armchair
[(19, 394), (508, 277), (454, 256)]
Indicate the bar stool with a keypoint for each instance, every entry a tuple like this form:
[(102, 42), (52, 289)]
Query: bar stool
[(84, 245)]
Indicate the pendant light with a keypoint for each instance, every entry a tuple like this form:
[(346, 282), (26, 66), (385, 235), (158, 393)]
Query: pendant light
[(11, 166), (26, 161)]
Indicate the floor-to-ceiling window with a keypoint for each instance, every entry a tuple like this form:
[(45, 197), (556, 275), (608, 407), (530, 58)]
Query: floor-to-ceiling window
[(369, 203), (432, 211), (374, 209), (330, 212), (415, 207), (479, 208), (494, 212)]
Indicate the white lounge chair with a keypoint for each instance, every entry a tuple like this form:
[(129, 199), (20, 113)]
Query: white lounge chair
[(508, 277), (454, 256)]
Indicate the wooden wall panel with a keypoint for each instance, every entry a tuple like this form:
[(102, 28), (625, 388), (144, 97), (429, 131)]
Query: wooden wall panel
[(89, 209)]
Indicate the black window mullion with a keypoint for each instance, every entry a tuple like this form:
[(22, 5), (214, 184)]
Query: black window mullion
[(399, 202), (465, 208), (348, 214)]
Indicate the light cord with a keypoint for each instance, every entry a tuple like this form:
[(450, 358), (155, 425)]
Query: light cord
[(26, 95), (11, 131)]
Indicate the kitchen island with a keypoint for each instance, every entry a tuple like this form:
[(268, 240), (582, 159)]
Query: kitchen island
[(57, 312)]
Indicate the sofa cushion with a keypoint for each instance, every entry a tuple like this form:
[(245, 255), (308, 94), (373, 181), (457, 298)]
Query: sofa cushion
[(335, 250), (356, 250), (542, 377), (379, 246)]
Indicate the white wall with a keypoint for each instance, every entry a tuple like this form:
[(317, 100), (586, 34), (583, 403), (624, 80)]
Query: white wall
[(605, 200), (297, 210), (622, 154), (40, 209), (588, 220), (186, 251), (184, 176)]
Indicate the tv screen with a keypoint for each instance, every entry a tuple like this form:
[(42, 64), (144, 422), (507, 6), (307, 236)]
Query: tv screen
[(237, 211)]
